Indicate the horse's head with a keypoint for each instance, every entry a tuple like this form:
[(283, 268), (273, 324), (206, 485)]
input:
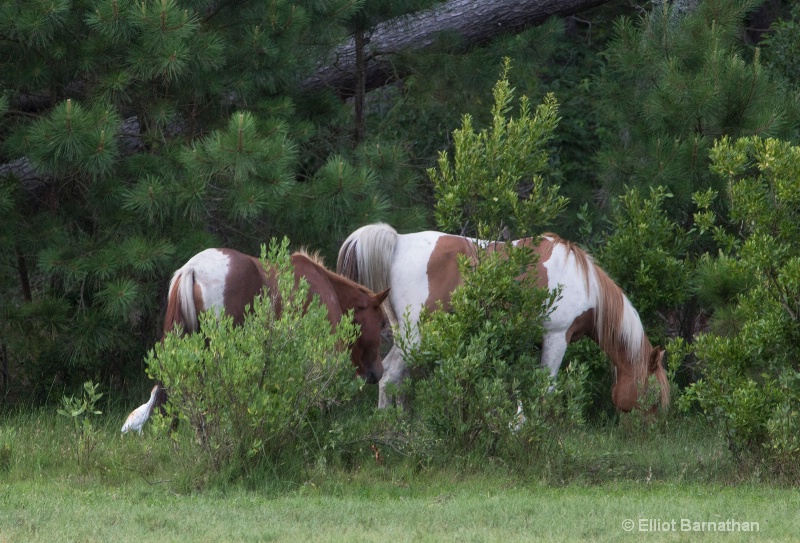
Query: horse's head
[(366, 352), (628, 389)]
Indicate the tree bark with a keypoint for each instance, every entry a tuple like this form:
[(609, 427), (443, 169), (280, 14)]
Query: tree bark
[(360, 87), (474, 22), (24, 278)]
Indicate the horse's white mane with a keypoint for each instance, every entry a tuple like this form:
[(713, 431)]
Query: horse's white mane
[(617, 322)]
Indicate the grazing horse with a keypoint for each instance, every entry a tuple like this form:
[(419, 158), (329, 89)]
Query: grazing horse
[(422, 270), (227, 280)]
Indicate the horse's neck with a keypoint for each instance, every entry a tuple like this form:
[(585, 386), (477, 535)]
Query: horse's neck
[(343, 289)]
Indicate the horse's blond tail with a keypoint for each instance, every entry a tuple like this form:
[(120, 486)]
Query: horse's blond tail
[(181, 307), (366, 258)]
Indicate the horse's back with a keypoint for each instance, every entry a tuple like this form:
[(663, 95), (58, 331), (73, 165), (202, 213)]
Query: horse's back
[(223, 280), (425, 270)]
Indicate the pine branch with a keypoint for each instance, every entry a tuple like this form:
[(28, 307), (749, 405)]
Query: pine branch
[(474, 23)]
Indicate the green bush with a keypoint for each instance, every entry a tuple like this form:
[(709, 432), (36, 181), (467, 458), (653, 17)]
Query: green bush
[(783, 428), (476, 362), (750, 363), (646, 253), (264, 390), (494, 178), (81, 410)]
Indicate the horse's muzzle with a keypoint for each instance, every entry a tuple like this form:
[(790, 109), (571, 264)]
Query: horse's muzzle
[(372, 377)]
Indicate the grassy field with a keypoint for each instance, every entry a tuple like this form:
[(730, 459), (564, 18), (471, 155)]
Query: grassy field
[(443, 510), (615, 483)]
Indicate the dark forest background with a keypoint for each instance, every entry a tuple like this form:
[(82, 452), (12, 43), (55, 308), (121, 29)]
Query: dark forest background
[(135, 134)]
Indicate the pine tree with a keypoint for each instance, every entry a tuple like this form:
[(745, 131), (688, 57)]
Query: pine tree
[(135, 133), (672, 85), (675, 83)]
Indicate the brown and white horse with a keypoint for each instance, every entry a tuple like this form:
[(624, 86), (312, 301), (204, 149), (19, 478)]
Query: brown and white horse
[(422, 271), (227, 280)]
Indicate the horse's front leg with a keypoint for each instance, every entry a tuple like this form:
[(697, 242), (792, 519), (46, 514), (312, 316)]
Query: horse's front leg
[(554, 346), (394, 373)]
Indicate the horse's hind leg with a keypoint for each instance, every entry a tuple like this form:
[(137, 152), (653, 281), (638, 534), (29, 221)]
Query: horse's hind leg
[(394, 372)]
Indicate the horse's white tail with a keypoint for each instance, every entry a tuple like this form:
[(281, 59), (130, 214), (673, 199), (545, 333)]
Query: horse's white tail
[(366, 258), (181, 307)]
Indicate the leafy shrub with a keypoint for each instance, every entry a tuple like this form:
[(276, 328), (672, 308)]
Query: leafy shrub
[(260, 391), (81, 410), (646, 252), (592, 389), (494, 179), (783, 428), (477, 362), (750, 367)]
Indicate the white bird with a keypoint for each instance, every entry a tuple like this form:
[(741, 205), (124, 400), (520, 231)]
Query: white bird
[(519, 419), (139, 416)]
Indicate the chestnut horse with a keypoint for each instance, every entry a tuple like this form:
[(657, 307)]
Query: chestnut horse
[(422, 271), (227, 280)]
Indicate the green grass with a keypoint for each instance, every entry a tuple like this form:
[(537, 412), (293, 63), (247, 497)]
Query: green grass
[(440, 510), (142, 488)]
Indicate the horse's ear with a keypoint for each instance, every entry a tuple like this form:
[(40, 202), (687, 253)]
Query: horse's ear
[(656, 359), (381, 296)]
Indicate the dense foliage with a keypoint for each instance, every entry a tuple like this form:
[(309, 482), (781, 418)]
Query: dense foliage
[(494, 179), (134, 134), (749, 358), (671, 86), (262, 390), (478, 361)]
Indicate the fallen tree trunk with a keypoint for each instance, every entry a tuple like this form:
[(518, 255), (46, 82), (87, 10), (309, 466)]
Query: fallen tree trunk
[(474, 22)]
